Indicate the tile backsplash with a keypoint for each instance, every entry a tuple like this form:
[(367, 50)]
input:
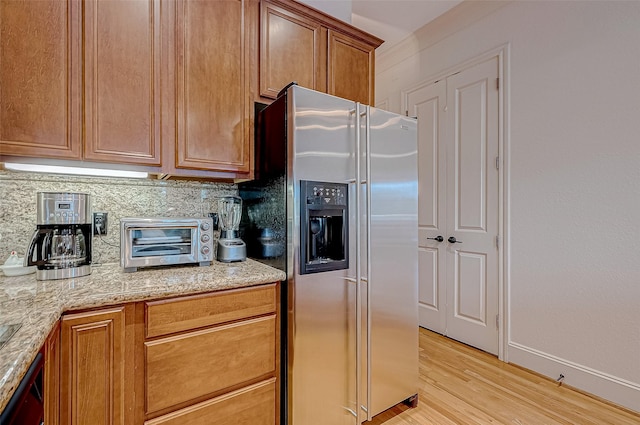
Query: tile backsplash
[(118, 197)]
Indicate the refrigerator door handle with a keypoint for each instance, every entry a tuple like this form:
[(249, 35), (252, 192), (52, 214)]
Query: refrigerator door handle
[(358, 311), (368, 278)]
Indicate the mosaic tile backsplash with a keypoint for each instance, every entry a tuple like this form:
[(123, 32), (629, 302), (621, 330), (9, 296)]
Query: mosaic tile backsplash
[(118, 197)]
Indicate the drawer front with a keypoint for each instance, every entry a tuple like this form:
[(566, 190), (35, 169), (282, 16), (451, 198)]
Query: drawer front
[(185, 367), (253, 405), (186, 313)]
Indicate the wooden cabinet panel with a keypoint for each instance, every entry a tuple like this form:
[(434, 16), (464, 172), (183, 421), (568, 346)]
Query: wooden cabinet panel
[(92, 371), (213, 97), (40, 79), (292, 48), (253, 405), (52, 377), (122, 81), (351, 68), (187, 313), (188, 366)]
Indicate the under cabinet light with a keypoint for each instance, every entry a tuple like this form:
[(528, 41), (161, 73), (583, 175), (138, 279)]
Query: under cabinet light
[(55, 169)]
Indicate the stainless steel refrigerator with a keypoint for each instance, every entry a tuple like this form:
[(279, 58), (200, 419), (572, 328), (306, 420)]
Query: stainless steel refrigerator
[(334, 204)]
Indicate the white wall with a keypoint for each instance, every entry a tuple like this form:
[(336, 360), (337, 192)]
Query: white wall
[(573, 157), (340, 9)]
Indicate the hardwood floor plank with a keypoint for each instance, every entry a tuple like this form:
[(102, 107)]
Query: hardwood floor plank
[(460, 385)]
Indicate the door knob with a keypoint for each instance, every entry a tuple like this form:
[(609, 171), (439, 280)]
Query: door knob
[(437, 238), (452, 239)]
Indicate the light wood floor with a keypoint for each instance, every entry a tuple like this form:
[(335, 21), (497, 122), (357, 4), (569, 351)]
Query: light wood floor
[(460, 385)]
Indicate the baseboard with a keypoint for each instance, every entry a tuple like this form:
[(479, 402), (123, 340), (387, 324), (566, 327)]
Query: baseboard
[(608, 387)]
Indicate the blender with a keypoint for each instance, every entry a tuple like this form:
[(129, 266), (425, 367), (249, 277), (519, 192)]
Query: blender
[(230, 247)]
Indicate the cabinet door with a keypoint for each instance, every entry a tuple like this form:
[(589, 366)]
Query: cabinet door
[(40, 78), (122, 81), (350, 68), (52, 377), (214, 103), (292, 48), (92, 369)]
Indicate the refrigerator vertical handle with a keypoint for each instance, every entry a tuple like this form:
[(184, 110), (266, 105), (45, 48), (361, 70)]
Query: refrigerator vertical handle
[(358, 272), (370, 280)]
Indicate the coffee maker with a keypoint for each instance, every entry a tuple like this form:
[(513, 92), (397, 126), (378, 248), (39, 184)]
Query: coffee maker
[(61, 245), (230, 247)]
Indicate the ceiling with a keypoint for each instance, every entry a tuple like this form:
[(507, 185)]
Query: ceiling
[(390, 20), (394, 20)]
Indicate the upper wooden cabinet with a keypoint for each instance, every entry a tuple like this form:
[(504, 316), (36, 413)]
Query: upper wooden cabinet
[(351, 68), (122, 94), (299, 43), (40, 79), (214, 107), (292, 48)]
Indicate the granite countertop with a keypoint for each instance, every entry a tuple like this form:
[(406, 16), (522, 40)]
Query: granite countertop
[(37, 305)]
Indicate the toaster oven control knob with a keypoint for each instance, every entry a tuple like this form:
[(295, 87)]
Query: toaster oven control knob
[(205, 250), (205, 238), (204, 225)]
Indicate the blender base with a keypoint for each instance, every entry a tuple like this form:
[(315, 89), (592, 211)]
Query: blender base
[(231, 250)]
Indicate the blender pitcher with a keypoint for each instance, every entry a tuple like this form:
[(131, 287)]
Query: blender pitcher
[(230, 247)]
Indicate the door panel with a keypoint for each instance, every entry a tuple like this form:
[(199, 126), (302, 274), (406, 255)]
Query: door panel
[(470, 287), (470, 156), (393, 260), (40, 74), (428, 104), (472, 179), (291, 49), (122, 74), (214, 124)]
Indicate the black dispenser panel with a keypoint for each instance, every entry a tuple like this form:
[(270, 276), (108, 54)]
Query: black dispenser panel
[(324, 226)]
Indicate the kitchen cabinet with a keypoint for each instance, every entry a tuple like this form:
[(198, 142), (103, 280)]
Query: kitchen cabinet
[(122, 93), (95, 371), (213, 78), (46, 109), (350, 68), (167, 85), (40, 79), (52, 377), (213, 356), (298, 43), (292, 48)]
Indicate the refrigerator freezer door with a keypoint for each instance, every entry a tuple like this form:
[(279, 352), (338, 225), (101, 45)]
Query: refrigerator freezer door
[(393, 262), (321, 326)]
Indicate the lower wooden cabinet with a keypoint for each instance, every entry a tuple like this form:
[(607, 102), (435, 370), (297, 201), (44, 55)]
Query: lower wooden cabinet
[(52, 377), (195, 364), (214, 358), (94, 368), (252, 405)]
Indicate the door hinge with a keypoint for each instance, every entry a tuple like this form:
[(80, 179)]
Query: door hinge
[(498, 83), (406, 113), (497, 241), (497, 321), (497, 162)]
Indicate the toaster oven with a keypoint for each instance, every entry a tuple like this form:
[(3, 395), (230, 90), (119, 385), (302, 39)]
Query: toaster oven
[(148, 242)]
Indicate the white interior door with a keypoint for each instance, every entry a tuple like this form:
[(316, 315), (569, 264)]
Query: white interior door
[(458, 179), (429, 106)]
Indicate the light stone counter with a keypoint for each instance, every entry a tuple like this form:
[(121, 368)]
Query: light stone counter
[(37, 305)]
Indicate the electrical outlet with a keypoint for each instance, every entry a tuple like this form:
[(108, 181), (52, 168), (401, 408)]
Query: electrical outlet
[(100, 223)]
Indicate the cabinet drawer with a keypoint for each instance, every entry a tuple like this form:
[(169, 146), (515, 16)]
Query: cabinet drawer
[(182, 314), (185, 367), (253, 405)]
